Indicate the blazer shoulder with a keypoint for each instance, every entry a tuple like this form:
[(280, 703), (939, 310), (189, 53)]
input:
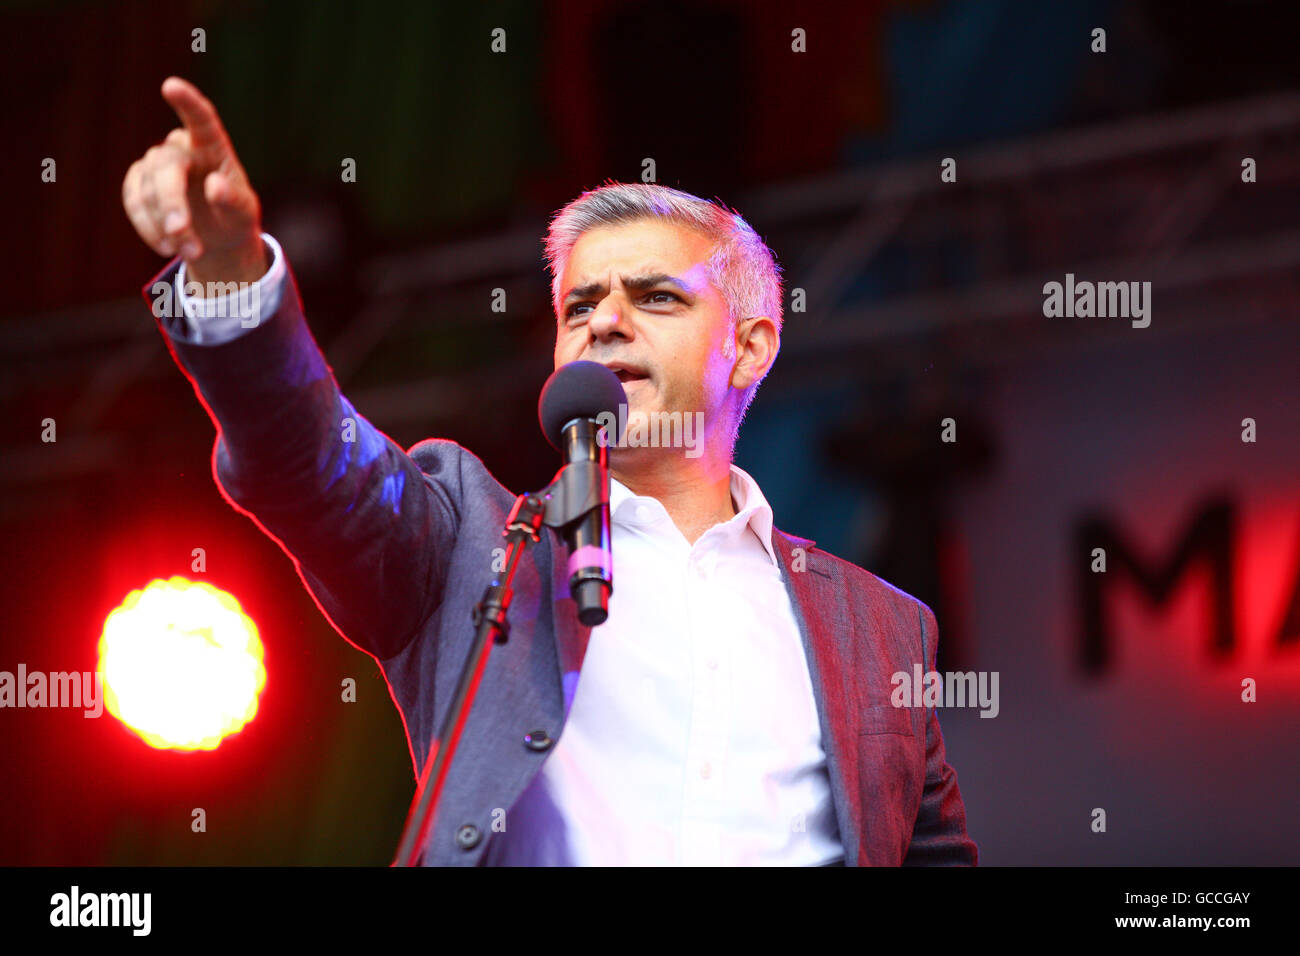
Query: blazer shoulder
[(457, 469), (435, 455), (863, 587)]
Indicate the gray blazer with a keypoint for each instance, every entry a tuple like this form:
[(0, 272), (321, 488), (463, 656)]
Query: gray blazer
[(396, 548)]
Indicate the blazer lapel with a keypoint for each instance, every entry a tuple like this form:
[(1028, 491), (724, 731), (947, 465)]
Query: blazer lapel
[(817, 597)]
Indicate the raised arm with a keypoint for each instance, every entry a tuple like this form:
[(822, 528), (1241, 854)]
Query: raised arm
[(369, 531)]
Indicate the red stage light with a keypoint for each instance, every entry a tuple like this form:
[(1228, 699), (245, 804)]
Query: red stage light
[(182, 664)]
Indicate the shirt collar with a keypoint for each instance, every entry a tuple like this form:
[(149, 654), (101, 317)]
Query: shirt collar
[(751, 506)]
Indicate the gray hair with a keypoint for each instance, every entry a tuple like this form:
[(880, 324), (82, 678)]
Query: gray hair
[(741, 267)]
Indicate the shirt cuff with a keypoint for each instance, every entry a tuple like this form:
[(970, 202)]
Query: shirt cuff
[(234, 308)]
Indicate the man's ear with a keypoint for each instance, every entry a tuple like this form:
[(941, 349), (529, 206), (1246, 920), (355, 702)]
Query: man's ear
[(757, 343)]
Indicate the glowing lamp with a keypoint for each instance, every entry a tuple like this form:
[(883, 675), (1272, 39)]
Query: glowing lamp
[(182, 664)]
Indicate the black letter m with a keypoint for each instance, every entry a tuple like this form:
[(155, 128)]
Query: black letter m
[(1211, 536)]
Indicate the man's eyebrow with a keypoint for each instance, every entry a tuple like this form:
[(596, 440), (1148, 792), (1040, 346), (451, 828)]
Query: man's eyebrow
[(639, 283)]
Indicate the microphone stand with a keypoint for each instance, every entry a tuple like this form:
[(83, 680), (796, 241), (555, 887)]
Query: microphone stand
[(576, 489)]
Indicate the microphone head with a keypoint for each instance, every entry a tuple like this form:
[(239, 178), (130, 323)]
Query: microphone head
[(578, 390)]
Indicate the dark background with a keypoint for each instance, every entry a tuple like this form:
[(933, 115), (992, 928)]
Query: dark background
[(924, 301)]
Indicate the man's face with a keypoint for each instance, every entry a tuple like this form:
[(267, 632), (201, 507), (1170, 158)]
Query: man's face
[(637, 297)]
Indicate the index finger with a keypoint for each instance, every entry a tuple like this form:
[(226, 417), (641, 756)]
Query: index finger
[(196, 112)]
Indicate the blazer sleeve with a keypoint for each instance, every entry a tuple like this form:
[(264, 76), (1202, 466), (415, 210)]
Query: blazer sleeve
[(368, 530), (939, 837)]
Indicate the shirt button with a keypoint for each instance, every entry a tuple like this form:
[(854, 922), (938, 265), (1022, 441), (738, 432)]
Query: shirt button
[(643, 512), (467, 836), (538, 740), (713, 664), (701, 571), (706, 771)]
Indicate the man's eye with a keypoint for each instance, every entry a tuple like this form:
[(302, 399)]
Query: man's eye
[(572, 310)]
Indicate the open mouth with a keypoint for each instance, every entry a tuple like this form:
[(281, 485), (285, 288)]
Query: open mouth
[(628, 375)]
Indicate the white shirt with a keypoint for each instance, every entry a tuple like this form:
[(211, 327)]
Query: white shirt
[(693, 736)]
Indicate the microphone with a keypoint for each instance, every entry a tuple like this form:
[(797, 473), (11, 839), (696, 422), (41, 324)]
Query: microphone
[(574, 400)]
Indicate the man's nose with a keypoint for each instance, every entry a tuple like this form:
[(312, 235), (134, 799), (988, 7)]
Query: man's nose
[(608, 322)]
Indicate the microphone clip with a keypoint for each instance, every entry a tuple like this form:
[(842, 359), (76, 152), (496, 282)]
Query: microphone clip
[(580, 490)]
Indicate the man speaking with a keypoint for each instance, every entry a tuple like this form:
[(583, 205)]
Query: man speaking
[(734, 708)]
